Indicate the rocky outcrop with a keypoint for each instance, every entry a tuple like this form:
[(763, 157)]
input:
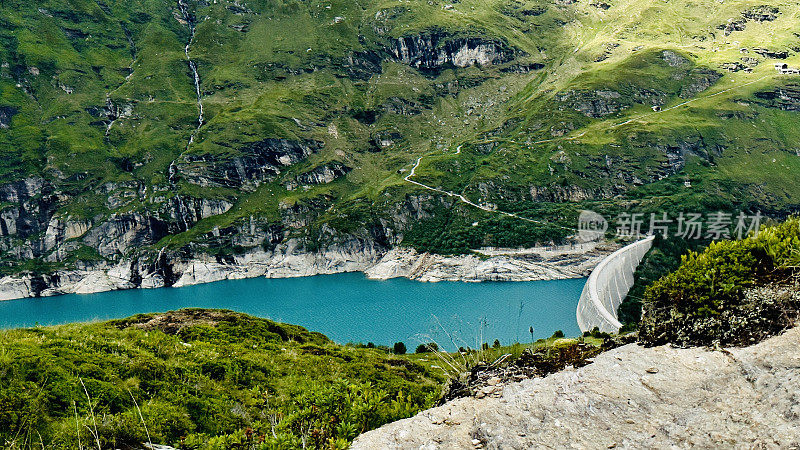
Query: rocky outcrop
[(363, 65), (498, 265), (595, 104), (6, 114), (733, 25), (763, 13), (29, 203), (678, 152), (107, 114), (772, 54), (323, 174), (435, 50), (182, 212), (673, 59), (630, 397), (401, 106), (700, 80), (786, 97), (122, 232), (248, 167)]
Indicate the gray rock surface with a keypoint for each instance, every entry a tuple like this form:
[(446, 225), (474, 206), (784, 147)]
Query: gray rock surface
[(492, 265), (630, 397), (290, 259)]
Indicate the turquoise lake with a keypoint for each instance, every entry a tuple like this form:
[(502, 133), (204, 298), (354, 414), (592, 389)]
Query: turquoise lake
[(345, 307)]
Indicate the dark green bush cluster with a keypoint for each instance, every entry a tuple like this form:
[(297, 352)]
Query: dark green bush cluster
[(663, 258), (596, 333), (700, 301), (427, 348), (448, 233)]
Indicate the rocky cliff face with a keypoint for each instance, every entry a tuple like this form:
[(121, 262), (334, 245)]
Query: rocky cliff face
[(255, 163), (273, 256), (630, 397), (323, 174), (28, 206), (436, 50), (493, 265), (786, 97)]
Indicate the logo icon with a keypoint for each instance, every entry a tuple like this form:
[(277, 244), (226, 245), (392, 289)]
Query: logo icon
[(591, 226)]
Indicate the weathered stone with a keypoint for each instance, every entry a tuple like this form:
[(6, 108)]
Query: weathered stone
[(746, 397), (253, 164), (436, 50)]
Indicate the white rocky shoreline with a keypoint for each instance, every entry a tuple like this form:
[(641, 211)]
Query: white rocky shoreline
[(288, 260)]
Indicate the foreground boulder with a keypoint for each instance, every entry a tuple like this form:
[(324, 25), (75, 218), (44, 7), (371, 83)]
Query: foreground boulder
[(630, 397)]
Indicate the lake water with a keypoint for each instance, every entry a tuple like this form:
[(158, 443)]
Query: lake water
[(345, 307)]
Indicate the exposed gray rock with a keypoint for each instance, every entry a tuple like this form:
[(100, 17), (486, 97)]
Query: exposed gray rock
[(494, 265), (786, 97), (323, 174), (436, 50), (401, 106), (763, 13), (674, 59), (122, 232), (734, 66), (733, 25), (773, 54), (363, 65), (247, 168), (385, 139), (183, 212), (6, 114), (679, 151), (593, 104), (701, 79), (29, 205), (630, 397)]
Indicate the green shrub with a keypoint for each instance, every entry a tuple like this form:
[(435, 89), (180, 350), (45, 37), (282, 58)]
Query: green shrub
[(427, 348), (684, 307), (399, 348)]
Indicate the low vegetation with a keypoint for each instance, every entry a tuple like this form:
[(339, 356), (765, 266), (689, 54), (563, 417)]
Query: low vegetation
[(733, 292), (198, 379)]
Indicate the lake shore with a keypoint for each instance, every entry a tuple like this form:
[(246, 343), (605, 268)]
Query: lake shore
[(287, 261)]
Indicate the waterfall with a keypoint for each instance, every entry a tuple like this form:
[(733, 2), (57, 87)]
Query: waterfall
[(191, 23)]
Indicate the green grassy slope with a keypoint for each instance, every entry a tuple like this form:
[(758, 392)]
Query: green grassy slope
[(199, 379), (567, 123)]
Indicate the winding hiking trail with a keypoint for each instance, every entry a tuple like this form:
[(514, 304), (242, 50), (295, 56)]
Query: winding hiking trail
[(470, 202), (408, 178)]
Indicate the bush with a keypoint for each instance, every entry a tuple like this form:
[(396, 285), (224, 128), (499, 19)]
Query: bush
[(558, 334), (701, 301), (427, 348), (399, 348), (596, 333)]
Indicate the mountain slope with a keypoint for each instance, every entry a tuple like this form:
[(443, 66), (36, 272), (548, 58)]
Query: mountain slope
[(314, 112)]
